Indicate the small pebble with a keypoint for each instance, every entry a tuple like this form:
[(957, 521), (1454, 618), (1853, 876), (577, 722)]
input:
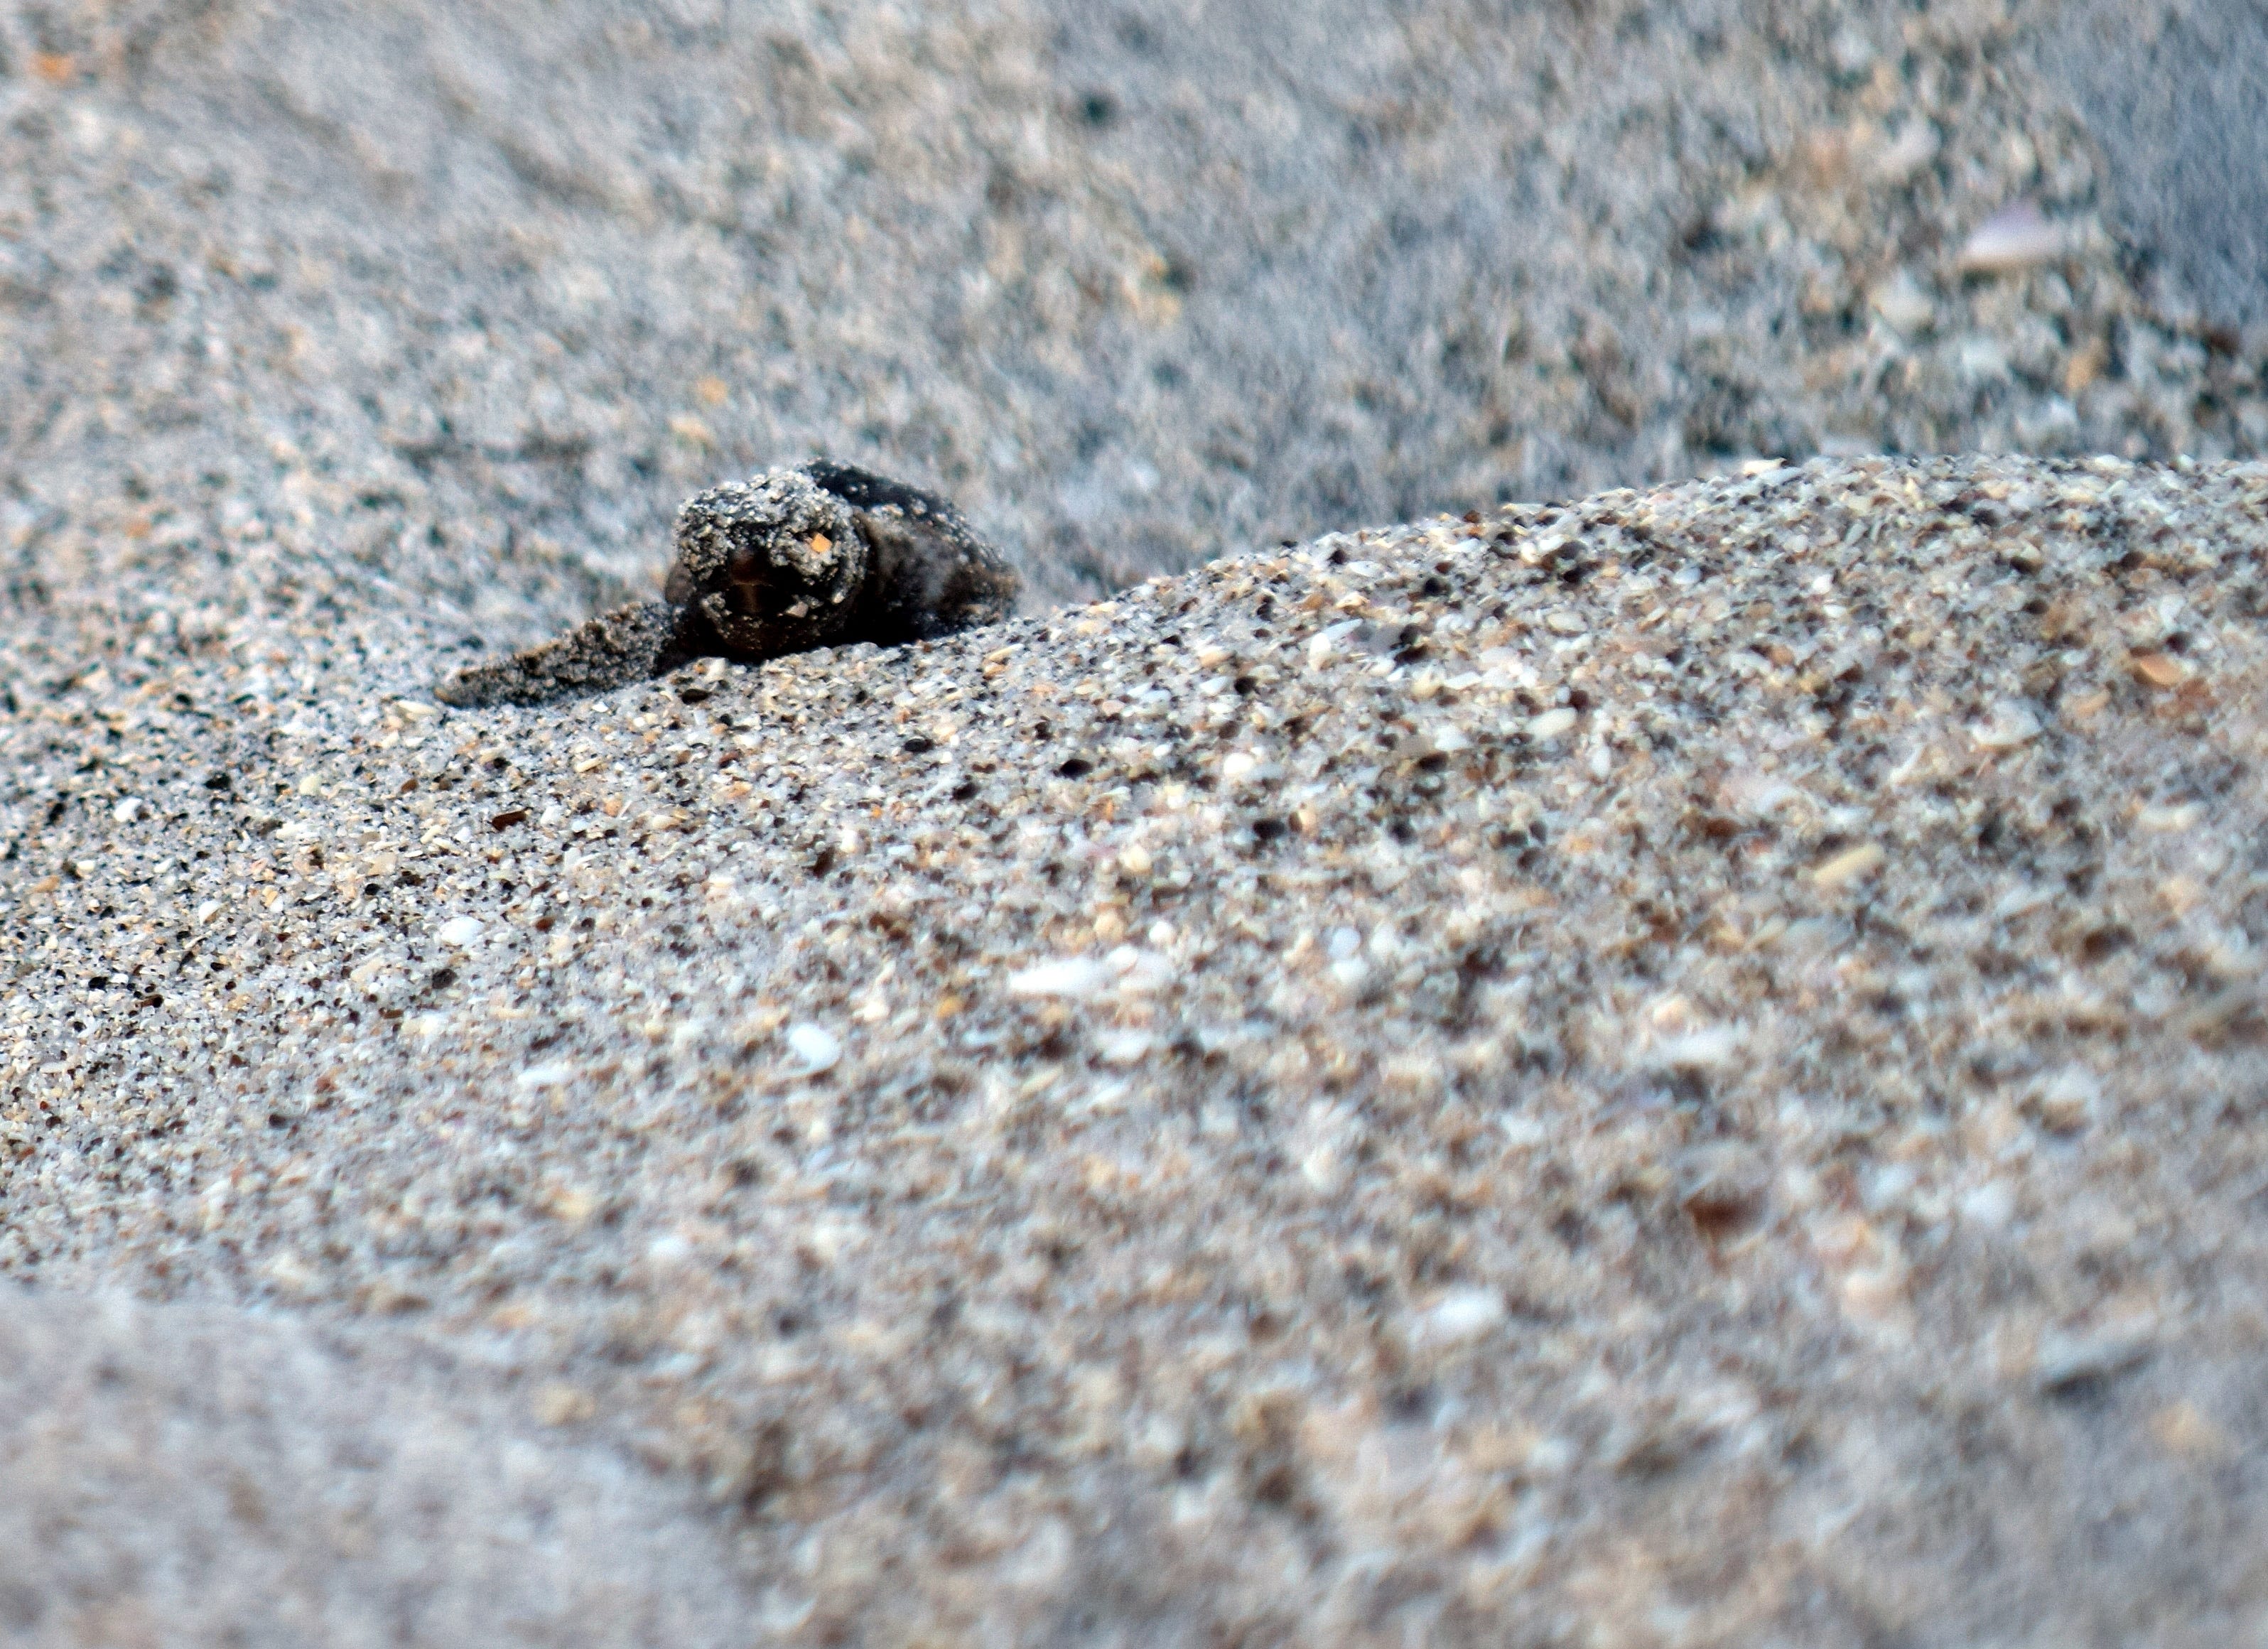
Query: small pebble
[(1075, 977), (814, 1051), (2013, 239), (1848, 866), (1464, 1314)]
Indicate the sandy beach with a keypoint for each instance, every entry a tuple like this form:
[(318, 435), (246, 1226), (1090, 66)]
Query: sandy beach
[(1674, 1066)]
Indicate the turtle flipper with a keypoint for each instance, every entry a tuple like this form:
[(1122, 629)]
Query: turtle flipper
[(630, 643)]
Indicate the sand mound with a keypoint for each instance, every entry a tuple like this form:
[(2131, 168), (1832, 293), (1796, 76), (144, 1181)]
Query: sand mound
[(1679, 1067)]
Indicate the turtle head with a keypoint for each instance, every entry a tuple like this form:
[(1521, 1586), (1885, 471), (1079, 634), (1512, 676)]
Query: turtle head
[(774, 564)]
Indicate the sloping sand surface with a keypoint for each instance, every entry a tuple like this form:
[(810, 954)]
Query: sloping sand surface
[(177, 1476), (1682, 1066)]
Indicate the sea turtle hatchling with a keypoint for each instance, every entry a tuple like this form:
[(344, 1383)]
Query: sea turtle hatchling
[(822, 554)]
